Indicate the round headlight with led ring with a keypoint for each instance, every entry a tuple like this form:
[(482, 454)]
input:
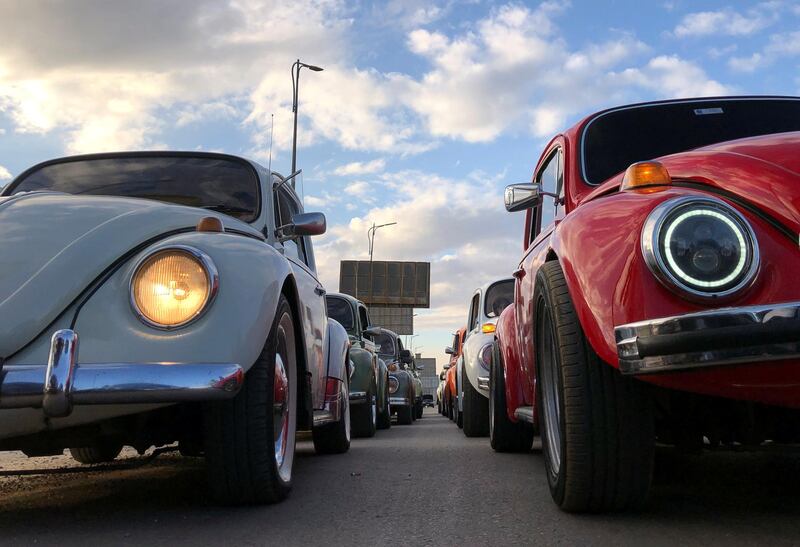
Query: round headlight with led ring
[(172, 287), (700, 246)]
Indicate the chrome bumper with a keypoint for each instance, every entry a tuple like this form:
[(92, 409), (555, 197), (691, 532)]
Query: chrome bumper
[(483, 382), (63, 383), (725, 336), (399, 401), (358, 397)]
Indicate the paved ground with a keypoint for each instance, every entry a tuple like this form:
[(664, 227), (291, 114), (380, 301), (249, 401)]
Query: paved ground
[(424, 484)]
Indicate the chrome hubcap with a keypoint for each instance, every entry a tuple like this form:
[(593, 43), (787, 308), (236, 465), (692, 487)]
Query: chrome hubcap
[(280, 410), (346, 402), (551, 398)]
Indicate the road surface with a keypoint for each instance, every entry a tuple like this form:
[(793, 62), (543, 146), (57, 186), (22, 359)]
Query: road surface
[(424, 484)]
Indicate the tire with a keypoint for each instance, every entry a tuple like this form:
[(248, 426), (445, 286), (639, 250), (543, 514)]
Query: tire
[(334, 438), (363, 418), (250, 439), (597, 426), (405, 415), (476, 411), (458, 414), (385, 417), (101, 452), (504, 435), (419, 409)]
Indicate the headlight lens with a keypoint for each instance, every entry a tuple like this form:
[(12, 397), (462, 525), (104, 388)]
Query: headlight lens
[(394, 385), (485, 356), (700, 246), (173, 286)]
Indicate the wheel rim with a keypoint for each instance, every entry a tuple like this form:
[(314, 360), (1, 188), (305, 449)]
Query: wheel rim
[(374, 410), (283, 407), (346, 402), (551, 398)]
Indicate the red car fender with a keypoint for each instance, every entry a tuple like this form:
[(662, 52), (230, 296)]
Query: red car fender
[(518, 388)]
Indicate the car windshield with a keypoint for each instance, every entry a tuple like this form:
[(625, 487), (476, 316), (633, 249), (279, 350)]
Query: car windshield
[(616, 139), (340, 310), (385, 343), (498, 297), (216, 183)]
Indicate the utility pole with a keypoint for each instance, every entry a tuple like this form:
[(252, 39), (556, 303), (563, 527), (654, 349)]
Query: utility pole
[(296, 66)]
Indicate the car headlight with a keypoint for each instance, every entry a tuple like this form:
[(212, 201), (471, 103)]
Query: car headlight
[(172, 287), (485, 356), (394, 385), (700, 246)]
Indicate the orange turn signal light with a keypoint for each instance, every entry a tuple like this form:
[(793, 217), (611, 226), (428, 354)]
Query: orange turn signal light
[(488, 328), (645, 173), (210, 224)]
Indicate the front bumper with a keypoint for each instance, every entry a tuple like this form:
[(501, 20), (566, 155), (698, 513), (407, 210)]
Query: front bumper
[(63, 383), (725, 336), (358, 397), (399, 401)]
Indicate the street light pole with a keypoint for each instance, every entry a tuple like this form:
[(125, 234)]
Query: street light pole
[(371, 239), (296, 66)]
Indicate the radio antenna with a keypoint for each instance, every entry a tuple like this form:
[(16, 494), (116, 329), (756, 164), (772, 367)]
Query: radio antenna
[(271, 131)]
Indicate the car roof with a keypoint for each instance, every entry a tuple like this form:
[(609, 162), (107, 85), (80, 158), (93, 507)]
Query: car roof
[(347, 297)]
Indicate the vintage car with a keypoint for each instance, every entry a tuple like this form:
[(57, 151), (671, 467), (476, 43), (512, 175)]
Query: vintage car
[(402, 391), (416, 380), (159, 297), (440, 394), (472, 378), (656, 299), (369, 377), (450, 389)]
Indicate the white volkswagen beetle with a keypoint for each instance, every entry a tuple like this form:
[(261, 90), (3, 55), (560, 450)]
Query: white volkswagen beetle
[(472, 375), (154, 297)]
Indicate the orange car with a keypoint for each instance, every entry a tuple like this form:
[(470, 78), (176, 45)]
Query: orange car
[(449, 397)]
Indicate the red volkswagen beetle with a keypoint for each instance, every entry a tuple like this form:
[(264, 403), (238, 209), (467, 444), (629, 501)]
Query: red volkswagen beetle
[(657, 298)]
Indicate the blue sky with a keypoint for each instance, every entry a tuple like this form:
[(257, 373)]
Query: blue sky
[(424, 112)]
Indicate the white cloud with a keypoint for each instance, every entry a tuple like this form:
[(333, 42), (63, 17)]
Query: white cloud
[(746, 64), (728, 22), (4, 174), (358, 188), (360, 168), (672, 76), (787, 44)]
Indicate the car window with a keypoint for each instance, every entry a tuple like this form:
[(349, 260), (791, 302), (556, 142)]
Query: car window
[(498, 297), (550, 178), (363, 316), (385, 343), (286, 207), (340, 310), (456, 342), (214, 183)]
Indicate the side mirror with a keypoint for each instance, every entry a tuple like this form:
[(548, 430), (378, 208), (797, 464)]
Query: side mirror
[(405, 357), (372, 331), (420, 367), (303, 224), (449, 351), (519, 197)]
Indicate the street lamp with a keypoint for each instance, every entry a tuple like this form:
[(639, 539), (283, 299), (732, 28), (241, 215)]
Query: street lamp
[(371, 239), (295, 92)]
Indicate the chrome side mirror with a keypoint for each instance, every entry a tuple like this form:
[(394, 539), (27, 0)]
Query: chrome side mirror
[(519, 197), (372, 331), (303, 224), (449, 351)]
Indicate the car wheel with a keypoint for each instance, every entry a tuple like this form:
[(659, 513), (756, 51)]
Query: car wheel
[(100, 452), (385, 417), (597, 426), (405, 415), (457, 404), (364, 417), (476, 412), (334, 438), (504, 435), (250, 439)]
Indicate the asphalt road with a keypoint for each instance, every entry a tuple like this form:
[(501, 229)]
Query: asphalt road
[(424, 484)]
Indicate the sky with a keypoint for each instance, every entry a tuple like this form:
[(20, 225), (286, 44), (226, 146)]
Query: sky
[(426, 109)]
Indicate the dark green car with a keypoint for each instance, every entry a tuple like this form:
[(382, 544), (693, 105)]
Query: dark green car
[(369, 380), (405, 387)]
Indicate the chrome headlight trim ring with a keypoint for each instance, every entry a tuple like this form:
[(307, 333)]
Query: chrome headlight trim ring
[(661, 266), (212, 275)]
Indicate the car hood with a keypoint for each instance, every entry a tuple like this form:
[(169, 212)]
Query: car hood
[(53, 246)]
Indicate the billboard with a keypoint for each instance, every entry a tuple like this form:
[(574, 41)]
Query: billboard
[(398, 320), (387, 283)]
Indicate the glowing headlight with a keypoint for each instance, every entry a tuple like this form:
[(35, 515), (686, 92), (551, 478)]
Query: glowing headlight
[(700, 246), (394, 385), (172, 287)]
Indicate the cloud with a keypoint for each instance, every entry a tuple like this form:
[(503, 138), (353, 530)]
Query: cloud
[(357, 188), (674, 77), (360, 168), (4, 174), (746, 64), (728, 22)]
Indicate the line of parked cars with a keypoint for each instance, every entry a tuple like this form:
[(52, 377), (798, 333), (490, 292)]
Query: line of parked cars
[(655, 299), (153, 298)]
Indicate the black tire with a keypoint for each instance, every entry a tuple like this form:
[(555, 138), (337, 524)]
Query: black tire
[(419, 409), (334, 438), (457, 412), (101, 452), (504, 435), (385, 417), (603, 430), (240, 434), (405, 415), (476, 411), (363, 418)]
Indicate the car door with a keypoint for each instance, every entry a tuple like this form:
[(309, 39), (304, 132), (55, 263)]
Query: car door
[(541, 222), (312, 312)]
